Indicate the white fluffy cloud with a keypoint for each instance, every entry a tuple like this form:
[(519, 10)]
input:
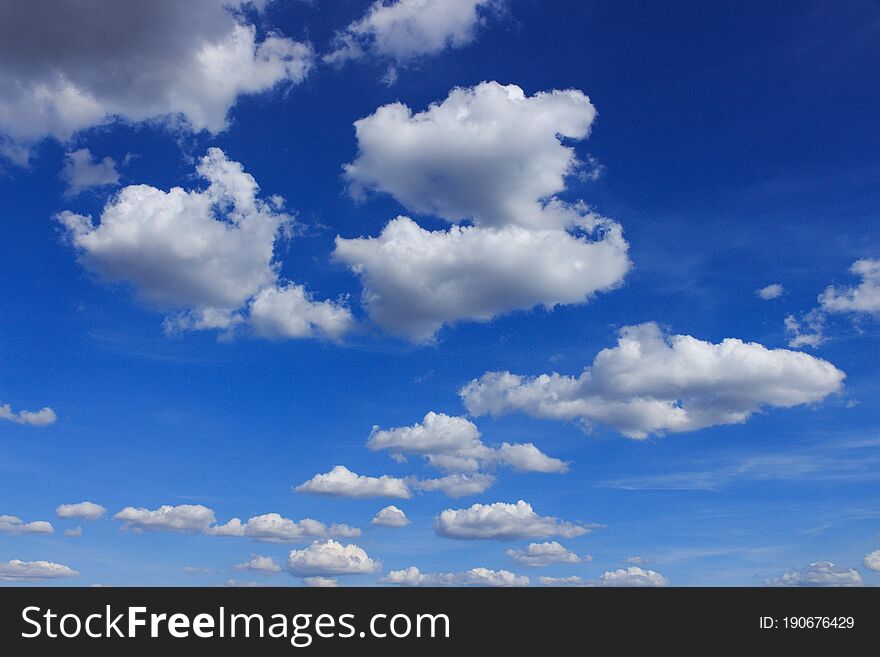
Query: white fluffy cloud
[(330, 558), (525, 457), (66, 67), (545, 554), (415, 280), (289, 311), (487, 577), (41, 418), (453, 444), (81, 172), (863, 298), (390, 516), (772, 291), (33, 571), (489, 154), (84, 510), (175, 248), (872, 560), (15, 526), (260, 564), (820, 573), (405, 29), (502, 521), (412, 576), (207, 254), (494, 157), (458, 485), (652, 382), (185, 518), (342, 482), (438, 433), (632, 576)]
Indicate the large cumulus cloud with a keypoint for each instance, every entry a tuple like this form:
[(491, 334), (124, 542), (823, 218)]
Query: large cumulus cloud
[(494, 158), (206, 255), (652, 382)]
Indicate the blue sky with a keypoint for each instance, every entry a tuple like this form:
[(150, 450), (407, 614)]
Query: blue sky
[(735, 145)]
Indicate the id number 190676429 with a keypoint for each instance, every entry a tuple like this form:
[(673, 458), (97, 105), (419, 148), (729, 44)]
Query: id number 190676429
[(808, 623)]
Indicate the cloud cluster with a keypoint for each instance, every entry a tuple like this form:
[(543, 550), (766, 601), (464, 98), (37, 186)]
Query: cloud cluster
[(198, 519), (493, 157), (402, 30), (820, 573), (274, 528), (390, 516), (82, 510), (857, 301), (806, 331), (66, 67), (41, 418), (504, 522), (872, 560), (342, 482), (329, 558), (652, 382), (545, 554), (16, 526), (623, 577), (412, 576), (33, 571), (453, 444), (207, 254)]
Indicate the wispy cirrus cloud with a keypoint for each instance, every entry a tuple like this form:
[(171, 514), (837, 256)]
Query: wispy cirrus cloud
[(855, 460)]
